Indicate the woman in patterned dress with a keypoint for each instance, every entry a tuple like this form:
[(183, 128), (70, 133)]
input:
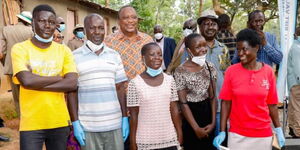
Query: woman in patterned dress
[(195, 81)]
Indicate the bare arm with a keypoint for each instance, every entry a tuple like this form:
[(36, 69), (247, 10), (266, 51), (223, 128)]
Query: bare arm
[(68, 83), (72, 102), (121, 91), (176, 120), (35, 82), (213, 99), (274, 114), (225, 111), (134, 112)]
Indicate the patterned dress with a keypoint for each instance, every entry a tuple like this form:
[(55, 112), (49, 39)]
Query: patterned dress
[(197, 84)]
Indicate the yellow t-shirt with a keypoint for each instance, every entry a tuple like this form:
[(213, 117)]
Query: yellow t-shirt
[(42, 109)]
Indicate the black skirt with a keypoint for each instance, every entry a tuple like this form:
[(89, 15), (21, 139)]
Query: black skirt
[(202, 114)]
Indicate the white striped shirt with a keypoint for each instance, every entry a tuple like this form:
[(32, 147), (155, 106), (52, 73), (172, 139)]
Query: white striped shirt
[(98, 105)]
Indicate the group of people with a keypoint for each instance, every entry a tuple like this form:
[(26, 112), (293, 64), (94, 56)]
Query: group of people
[(131, 91)]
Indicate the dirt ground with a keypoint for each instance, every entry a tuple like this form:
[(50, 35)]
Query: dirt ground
[(11, 123)]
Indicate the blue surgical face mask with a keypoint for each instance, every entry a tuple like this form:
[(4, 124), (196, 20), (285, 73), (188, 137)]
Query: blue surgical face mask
[(42, 39), (61, 28), (80, 34), (153, 72)]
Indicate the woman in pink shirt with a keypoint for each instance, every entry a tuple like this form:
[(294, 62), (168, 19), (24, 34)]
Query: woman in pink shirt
[(152, 101), (249, 99)]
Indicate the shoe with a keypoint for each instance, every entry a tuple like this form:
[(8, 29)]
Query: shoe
[(4, 139), (291, 133)]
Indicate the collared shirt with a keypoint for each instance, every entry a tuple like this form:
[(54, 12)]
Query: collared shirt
[(269, 54), (161, 45), (99, 108), (219, 56), (130, 51), (227, 38)]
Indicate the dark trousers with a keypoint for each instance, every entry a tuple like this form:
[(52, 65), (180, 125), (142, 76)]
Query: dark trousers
[(55, 139)]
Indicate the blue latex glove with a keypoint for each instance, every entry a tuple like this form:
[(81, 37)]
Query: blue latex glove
[(78, 132), (125, 128), (219, 139), (280, 136)]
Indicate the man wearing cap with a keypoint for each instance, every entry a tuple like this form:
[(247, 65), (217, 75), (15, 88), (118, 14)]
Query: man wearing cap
[(166, 44), (179, 56), (217, 52), (77, 40), (11, 35)]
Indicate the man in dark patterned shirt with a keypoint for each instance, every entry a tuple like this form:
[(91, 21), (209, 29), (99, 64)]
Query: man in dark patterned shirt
[(225, 34)]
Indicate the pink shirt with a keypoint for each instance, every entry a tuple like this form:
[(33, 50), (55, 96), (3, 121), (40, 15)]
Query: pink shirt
[(250, 92), (155, 126)]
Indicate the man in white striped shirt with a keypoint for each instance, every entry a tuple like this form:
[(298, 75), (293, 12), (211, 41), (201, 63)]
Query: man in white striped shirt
[(100, 97)]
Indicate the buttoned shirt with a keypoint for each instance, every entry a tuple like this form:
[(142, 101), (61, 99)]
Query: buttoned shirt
[(269, 53), (219, 56), (98, 104), (130, 51)]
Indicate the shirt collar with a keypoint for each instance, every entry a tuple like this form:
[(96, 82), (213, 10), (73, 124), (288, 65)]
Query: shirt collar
[(216, 44), (121, 36)]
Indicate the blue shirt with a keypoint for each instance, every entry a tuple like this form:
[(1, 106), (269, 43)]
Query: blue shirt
[(269, 54)]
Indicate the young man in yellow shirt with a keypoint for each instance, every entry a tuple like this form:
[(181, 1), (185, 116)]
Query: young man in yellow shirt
[(44, 70)]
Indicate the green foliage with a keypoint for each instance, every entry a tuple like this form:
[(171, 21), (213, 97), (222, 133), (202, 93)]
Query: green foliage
[(171, 14)]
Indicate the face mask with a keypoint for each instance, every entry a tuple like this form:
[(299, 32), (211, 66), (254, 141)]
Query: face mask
[(61, 28), (42, 39), (94, 47), (200, 60), (153, 72), (80, 34), (158, 36), (187, 32)]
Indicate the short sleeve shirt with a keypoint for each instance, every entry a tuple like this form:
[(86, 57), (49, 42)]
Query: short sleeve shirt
[(155, 126), (197, 83), (130, 51), (98, 104), (42, 109), (250, 92)]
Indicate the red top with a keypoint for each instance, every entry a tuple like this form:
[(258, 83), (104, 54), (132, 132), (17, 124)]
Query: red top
[(250, 92)]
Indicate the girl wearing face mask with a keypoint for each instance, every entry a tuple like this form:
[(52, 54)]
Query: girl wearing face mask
[(152, 102), (195, 81)]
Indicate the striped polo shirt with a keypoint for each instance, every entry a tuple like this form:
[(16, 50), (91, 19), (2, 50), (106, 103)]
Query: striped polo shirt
[(98, 105)]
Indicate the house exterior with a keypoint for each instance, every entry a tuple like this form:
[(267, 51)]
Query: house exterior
[(73, 12)]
